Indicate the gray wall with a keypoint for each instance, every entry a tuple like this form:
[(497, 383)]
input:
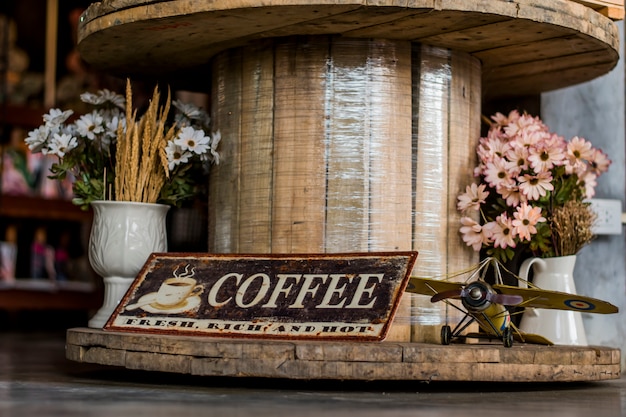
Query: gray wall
[(596, 111)]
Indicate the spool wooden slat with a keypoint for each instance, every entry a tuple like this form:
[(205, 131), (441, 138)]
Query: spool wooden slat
[(349, 149), (298, 182), (389, 131), (226, 105), (432, 74), (257, 150)]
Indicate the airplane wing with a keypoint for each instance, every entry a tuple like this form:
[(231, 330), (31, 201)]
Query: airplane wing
[(431, 287), (539, 298)]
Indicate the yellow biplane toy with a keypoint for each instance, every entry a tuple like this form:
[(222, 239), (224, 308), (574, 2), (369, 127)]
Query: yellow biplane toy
[(487, 305)]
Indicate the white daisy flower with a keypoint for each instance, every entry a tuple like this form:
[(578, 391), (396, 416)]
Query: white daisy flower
[(56, 117), (104, 96), (188, 110), (90, 125), (192, 140), (112, 125), (37, 139), (62, 144), (176, 155)]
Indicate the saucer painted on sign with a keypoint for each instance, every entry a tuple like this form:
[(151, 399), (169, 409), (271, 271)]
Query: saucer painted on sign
[(148, 303)]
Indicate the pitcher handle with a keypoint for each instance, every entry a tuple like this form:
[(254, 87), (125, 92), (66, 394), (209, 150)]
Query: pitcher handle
[(525, 269), (523, 283)]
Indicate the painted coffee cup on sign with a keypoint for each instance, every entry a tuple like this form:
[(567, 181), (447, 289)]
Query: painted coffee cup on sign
[(174, 291)]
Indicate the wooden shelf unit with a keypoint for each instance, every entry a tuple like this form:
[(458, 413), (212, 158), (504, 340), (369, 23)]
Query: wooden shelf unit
[(42, 209)]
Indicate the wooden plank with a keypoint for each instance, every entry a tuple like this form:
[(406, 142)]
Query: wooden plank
[(389, 115), (345, 360), (39, 208), (348, 148), (299, 182), (13, 299), (349, 22), (224, 205), (464, 132), (430, 188), (613, 9), (537, 67), (257, 149), (541, 82), (424, 23), (594, 4), (613, 13), (496, 35), (568, 48)]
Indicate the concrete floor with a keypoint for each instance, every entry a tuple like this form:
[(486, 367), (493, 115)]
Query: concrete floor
[(36, 380)]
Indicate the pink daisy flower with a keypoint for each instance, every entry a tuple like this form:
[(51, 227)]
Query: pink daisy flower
[(496, 173), (525, 219), (579, 150), (502, 120), (501, 232), (544, 158), (589, 180), (511, 195), (473, 197), (599, 162), (472, 233), (492, 147), (517, 160), (535, 186)]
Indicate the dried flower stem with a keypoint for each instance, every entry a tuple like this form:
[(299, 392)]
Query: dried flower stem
[(571, 227), (141, 172)]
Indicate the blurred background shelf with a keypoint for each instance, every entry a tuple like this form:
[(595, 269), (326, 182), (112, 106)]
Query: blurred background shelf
[(22, 207), (40, 208)]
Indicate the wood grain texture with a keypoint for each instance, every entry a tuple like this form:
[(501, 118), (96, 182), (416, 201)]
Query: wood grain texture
[(227, 102), (319, 129), (298, 179), (175, 39), (613, 9), (366, 361), (257, 148)]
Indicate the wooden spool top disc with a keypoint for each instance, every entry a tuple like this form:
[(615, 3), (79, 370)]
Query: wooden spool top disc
[(526, 46)]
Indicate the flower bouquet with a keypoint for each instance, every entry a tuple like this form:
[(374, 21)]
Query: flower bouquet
[(532, 190), (114, 155)]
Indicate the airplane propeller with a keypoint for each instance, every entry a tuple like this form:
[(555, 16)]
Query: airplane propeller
[(479, 293)]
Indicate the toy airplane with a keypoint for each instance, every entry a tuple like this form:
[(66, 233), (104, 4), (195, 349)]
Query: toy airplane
[(486, 305)]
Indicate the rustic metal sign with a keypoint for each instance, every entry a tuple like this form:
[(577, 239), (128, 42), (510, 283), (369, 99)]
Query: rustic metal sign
[(327, 296)]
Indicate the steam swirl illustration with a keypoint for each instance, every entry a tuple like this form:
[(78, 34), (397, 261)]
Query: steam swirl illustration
[(186, 274)]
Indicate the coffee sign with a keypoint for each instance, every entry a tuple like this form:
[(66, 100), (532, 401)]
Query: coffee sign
[(327, 296)]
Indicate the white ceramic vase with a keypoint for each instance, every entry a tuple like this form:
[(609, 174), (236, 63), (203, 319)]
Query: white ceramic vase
[(123, 236), (560, 326)]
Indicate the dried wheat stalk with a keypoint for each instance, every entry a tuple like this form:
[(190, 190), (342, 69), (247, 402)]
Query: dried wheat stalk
[(141, 163), (571, 227)]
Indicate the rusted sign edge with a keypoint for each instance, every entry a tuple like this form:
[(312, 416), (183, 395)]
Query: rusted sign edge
[(182, 326)]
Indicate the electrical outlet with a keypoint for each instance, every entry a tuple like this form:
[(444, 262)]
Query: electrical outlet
[(609, 220)]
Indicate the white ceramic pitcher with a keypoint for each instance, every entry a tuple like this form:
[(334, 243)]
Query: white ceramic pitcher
[(560, 326)]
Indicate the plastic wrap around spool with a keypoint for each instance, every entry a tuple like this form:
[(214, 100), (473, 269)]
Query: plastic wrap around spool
[(446, 99), (345, 145)]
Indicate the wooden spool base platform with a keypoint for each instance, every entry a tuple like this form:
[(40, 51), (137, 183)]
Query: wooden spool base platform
[(368, 361)]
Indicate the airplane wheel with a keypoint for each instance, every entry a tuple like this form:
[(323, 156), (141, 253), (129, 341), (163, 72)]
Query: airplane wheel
[(446, 335), (507, 337)]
